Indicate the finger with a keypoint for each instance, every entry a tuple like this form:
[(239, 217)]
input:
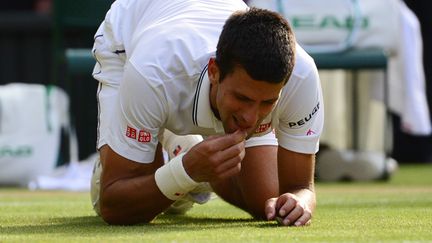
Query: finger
[(226, 141), (235, 152), (305, 219), (270, 208), (229, 163), (293, 215), (212, 137), (285, 204), (230, 172)]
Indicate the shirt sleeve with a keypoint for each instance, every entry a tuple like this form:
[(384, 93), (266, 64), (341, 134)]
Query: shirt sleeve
[(301, 113), (139, 114)]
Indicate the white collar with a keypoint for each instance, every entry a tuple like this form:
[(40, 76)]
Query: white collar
[(202, 114)]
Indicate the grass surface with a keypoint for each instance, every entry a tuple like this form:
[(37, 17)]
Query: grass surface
[(396, 211)]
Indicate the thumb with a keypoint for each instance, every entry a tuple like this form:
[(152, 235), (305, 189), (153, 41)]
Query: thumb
[(270, 208)]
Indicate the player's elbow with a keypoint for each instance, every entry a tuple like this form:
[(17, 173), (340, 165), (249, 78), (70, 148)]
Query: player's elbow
[(116, 215), (111, 217)]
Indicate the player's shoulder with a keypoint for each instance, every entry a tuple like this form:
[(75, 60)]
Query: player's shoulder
[(304, 78), (304, 63)]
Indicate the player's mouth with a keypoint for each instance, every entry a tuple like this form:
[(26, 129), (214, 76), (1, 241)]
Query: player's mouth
[(246, 129)]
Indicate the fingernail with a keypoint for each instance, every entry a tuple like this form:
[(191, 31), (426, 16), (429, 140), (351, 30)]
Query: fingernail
[(241, 133), (297, 223), (287, 222), (282, 212)]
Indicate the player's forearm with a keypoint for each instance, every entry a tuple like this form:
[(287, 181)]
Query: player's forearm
[(131, 201), (296, 176), (304, 190)]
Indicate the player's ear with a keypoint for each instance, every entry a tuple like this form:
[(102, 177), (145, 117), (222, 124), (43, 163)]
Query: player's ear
[(213, 71)]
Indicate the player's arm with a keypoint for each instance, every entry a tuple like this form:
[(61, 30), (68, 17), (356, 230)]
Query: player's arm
[(134, 192), (256, 182), (129, 193), (299, 130), (296, 202)]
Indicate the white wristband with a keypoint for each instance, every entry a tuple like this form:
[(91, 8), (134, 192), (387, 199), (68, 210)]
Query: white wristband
[(173, 180)]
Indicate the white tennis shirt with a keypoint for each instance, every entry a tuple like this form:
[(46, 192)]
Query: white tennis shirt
[(165, 83)]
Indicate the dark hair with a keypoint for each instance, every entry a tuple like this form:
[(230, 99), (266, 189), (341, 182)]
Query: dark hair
[(260, 41)]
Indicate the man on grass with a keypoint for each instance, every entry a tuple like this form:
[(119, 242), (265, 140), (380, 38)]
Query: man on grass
[(214, 68)]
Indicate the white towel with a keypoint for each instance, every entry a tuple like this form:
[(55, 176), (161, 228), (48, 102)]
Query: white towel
[(407, 92)]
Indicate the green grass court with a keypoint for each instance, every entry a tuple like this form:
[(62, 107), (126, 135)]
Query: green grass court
[(396, 211)]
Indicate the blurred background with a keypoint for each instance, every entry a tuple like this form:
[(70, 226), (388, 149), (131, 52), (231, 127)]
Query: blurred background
[(33, 40)]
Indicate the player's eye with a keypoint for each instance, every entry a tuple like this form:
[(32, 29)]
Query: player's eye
[(243, 98)]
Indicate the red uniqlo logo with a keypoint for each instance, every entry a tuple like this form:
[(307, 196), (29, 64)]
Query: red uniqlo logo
[(144, 136), (131, 132), (263, 127)]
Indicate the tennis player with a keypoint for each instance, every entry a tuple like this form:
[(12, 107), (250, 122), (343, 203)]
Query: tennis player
[(213, 68)]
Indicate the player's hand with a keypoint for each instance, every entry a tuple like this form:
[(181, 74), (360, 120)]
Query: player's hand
[(288, 209), (216, 157)]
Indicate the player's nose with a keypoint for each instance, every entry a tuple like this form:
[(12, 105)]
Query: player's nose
[(248, 118)]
